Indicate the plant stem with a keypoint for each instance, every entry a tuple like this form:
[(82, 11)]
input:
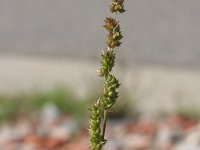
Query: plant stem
[(115, 14), (105, 116)]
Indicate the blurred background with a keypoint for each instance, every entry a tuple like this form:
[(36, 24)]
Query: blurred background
[(49, 54)]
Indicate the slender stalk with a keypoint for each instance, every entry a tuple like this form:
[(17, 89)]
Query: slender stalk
[(105, 117), (115, 15), (110, 94)]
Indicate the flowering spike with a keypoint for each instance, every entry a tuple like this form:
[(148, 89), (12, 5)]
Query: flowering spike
[(111, 84)]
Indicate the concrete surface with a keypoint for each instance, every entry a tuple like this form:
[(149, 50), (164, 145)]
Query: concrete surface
[(154, 88)]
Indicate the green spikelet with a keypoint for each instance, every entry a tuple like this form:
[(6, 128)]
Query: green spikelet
[(95, 127), (110, 94), (107, 62)]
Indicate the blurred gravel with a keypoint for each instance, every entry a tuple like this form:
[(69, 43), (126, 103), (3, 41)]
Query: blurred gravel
[(169, 133)]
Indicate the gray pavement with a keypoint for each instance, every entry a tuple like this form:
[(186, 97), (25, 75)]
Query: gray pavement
[(163, 32)]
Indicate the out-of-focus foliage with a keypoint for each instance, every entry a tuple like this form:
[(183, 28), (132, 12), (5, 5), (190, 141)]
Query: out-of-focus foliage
[(16, 105), (31, 103), (189, 112)]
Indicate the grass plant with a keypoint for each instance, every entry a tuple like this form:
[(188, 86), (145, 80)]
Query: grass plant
[(99, 110)]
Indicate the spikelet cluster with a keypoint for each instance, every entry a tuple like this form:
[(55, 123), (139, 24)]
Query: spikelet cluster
[(107, 62), (95, 127), (114, 33), (117, 6), (109, 93)]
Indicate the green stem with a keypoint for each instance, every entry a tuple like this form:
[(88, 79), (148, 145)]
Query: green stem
[(105, 117), (115, 14)]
